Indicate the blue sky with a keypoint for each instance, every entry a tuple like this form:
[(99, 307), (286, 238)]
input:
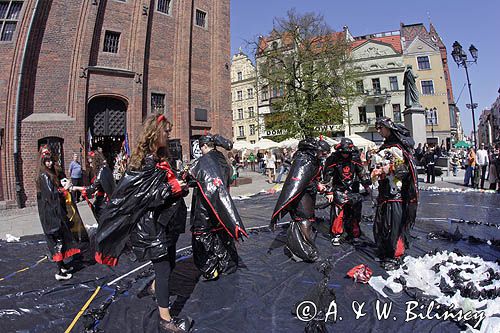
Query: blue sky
[(470, 22)]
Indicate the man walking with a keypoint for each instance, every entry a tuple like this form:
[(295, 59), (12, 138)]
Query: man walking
[(482, 163)]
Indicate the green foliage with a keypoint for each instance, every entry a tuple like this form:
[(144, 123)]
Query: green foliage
[(306, 68)]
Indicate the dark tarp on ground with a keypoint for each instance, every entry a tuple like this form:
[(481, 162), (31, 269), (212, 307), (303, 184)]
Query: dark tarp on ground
[(258, 298)]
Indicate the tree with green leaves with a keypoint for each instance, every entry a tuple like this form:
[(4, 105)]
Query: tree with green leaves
[(308, 72)]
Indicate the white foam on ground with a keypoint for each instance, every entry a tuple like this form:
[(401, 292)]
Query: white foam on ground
[(10, 238), (418, 274)]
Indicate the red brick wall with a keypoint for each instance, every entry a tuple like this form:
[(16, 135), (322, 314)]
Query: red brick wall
[(62, 42)]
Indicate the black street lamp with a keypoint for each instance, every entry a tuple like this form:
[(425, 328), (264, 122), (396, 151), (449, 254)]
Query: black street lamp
[(460, 58)]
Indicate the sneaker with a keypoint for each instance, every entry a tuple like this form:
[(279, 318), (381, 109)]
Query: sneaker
[(176, 325), (336, 241), (63, 276)]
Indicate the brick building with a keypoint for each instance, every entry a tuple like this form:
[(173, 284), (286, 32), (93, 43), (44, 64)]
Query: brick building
[(70, 68)]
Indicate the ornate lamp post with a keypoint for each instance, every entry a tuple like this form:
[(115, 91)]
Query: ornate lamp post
[(460, 58)]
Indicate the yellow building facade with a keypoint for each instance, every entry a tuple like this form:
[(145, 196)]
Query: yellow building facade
[(244, 99)]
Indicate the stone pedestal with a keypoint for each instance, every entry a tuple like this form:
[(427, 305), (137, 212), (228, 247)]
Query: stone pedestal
[(415, 122)]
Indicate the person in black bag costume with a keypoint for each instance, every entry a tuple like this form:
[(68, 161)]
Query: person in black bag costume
[(53, 215), (102, 185), (298, 197), (396, 207), (147, 208), (215, 221), (342, 171)]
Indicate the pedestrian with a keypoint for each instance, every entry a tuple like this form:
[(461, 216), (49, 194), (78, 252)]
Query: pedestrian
[(455, 163), (215, 221), (75, 173), (147, 210), (270, 162), (251, 161), (298, 197), (482, 164), (53, 214), (285, 166), (470, 166), (494, 169), (429, 161), (342, 171), (397, 200)]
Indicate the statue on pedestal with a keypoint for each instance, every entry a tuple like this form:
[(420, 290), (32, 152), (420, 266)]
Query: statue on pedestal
[(411, 92)]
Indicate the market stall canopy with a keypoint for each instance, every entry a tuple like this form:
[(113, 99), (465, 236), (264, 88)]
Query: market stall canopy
[(330, 141), (266, 144), (462, 144), (242, 145), (361, 142), (289, 143)]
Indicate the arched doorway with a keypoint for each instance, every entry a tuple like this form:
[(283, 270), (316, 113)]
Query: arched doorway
[(106, 123)]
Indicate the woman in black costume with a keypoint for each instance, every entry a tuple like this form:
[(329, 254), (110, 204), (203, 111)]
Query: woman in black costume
[(53, 215), (396, 206), (102, 184), (147, 208)]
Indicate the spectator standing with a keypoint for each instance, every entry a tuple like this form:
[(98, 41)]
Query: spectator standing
[(471, 164), (482, 164), (251, 161), (429, 160), (75, 172), (285, 166), (270, 162)]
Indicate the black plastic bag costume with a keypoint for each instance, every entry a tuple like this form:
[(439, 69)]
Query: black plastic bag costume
[(215, 221), (298, 197), (396, 210), (53, 216), (102, 187), (147, 208), (343, 173)]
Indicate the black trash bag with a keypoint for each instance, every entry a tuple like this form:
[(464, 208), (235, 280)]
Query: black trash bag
[(299, 245), (215, 251)]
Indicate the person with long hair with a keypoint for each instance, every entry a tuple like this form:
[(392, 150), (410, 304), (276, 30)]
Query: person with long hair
[(53, 215), (147, 208), (102, 184)]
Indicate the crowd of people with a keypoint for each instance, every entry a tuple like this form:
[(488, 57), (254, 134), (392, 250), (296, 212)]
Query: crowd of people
[(145, 211)]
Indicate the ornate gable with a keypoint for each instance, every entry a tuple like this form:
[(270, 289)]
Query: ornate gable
[(419, 45), (372, 49)]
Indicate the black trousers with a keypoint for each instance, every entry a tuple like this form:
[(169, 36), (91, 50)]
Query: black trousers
[(163, 267), (483, 174), (76, 194), (431, 174)]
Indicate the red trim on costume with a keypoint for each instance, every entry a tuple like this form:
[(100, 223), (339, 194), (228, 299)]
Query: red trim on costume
[(356, 163), (160, 118), (105, 260), (332, 165), (286, 204), (400, 248), (295, 178), (338, 222), (60, 256), (218, 217)]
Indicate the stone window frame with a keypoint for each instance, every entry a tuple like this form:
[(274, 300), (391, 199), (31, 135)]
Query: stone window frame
[(158, 108), (362, 111), (241, 131), (397, 107), (16, 20), (170, 6), (431, 85), (195, 18), (427, 62), (391, 83), (110, 32)]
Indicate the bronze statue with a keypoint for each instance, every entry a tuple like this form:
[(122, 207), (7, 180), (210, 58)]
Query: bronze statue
[(411, 92)]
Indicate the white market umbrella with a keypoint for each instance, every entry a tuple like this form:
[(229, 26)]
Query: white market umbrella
[(242, 145), (266, 144), (361, 142), (289, 143)]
